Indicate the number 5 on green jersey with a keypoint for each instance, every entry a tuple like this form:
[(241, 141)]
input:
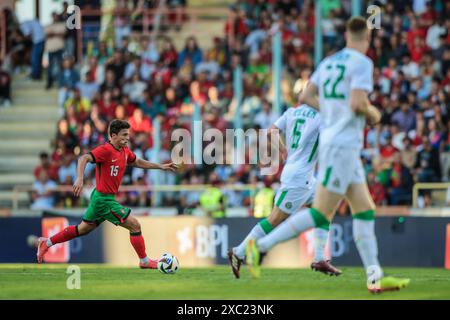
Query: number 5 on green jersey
[(296, 133)]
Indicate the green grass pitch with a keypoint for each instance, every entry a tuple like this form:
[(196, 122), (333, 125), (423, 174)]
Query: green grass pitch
[(48, 281)]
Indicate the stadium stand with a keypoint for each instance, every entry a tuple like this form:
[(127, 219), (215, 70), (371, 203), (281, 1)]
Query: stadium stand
[(137, 77)]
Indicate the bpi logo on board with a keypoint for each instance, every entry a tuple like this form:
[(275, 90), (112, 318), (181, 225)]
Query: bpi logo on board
[(338, 243), (207, 238)]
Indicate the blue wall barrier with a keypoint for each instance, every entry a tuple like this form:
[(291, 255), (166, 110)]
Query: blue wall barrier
[(13, 239), (14, 247), (402, 241), (88, 248)]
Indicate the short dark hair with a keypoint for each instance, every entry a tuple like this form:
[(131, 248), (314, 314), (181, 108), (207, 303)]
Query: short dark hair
[(117, 125), (357, 25), (403, 99), (43, 155)]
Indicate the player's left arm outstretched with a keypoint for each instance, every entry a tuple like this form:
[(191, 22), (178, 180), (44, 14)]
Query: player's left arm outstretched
[(144, 164)]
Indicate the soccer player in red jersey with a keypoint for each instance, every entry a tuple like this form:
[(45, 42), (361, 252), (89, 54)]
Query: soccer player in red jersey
[(111, 159)]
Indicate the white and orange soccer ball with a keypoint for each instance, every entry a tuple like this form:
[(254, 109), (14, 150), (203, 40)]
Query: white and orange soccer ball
[(168, 263)]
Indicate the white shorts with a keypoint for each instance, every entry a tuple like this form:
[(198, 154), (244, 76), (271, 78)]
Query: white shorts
[(339, 168), (290, 200)]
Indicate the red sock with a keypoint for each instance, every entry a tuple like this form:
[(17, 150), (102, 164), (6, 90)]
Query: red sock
[(67, 234), (138, 243)]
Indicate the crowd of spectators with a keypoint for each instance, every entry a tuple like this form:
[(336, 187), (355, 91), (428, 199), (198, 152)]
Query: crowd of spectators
[(143, 79), (25, 44), (13, 48)]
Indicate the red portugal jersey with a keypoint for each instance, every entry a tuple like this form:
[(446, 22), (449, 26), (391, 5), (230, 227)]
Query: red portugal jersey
[(111, 165)]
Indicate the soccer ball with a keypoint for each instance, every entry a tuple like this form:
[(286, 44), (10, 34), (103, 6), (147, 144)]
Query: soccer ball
[(168, 263)]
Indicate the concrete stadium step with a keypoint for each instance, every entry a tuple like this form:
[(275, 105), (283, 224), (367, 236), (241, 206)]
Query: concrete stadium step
[(38, 100), (22, 83), (22, 164), (28, 135), (45, 113), (26, 129), (29, 117), (35, 109), (36, 87), (6, 199), (9, 180), (7, 204), (23, 147), (44, 126), (34, 91), (43, 134)]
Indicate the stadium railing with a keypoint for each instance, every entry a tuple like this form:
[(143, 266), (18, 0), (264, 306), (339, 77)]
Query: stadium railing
[(251, 188), (440, 198)]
